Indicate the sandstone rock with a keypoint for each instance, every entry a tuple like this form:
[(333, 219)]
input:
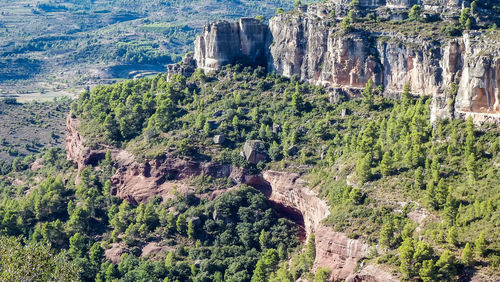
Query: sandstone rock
[(254, 151), (114, 253), (334, 250)]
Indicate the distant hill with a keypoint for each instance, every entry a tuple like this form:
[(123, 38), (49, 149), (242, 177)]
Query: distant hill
[(52, 46)]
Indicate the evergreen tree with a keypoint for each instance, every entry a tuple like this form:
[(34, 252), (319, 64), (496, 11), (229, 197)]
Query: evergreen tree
[(428, 271), (368, 94), (297, 101), (470, 164), (386, 237), (181, 224), (480, 245), (311, 249), (263, 239), (419, 178), (406, 252), (431, 195), (386, 164), (363, 168), (467, 255), (415, 13), (446, 265), (452, 236), (191, 232)]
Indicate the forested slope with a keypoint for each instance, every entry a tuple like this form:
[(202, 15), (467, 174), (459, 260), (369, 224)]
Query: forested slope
[(425, 195)]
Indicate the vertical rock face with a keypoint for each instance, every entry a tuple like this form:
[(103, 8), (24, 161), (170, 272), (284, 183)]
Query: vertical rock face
[(307, 44), (334, 250), (224, 43), (479, 91)]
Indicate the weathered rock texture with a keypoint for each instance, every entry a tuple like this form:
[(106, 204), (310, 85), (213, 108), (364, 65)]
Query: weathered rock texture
[(76, 149), (308, 45), (334, 250), (223, 43)]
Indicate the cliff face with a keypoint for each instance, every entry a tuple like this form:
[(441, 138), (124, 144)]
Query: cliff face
[(334, 250), (307, 44), (223, 43)]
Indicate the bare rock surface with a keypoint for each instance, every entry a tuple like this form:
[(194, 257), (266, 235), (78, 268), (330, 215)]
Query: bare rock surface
[(307, 44)]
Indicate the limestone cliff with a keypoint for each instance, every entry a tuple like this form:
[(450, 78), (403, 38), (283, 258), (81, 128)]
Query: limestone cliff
[(223, 43), (308, 44)]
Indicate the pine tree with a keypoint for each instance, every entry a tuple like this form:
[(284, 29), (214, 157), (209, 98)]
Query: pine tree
[(386, 164), (368, 94), (452, 236), (467, 255), (386, 236), (423, 252), (191, 232), (441, 193), (406, 252), (263, 238), (431, 195), (206, 128), (260, 272), (428, 271), (170, 259), (419, 178), (311, 249), (181, 224), (480, 245), (446, 265), (363, 168), (415, 13), (470, 164), (297, 101), (450, 209)]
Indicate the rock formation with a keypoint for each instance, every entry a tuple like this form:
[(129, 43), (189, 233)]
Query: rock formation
[(308, 44), (334, 250), (223, 43)]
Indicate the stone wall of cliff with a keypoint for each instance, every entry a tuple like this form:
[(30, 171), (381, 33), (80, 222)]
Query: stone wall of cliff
[(223, 43), (308, 44)]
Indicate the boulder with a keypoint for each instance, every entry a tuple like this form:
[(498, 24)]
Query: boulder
[(219, 139), (254, 151)]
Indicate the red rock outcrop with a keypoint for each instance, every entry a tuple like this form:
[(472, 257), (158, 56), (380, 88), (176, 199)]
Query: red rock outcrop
[(138, 182), (334, 250)]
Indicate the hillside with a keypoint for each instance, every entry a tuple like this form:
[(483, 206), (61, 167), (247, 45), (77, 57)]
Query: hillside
[(340, 141)]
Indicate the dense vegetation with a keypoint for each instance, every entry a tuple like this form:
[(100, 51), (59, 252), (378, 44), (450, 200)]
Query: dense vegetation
[(426, 194), (204, 240), (385, 149)]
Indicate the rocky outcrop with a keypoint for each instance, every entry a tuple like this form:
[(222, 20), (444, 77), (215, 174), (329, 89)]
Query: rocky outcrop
[(479, 91), (309, 45), (223, 43), (254, 151), (334, 250), (77, 151), (138, 182)]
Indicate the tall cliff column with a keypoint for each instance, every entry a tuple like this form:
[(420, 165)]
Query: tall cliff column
[(223, 43)]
